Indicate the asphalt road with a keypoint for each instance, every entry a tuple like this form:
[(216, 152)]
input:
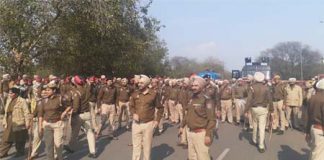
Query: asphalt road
[(231, 144)]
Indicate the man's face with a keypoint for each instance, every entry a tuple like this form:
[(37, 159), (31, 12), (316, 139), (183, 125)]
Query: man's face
[(49, 92), (103, 81), (154, 84), (195, 87), (12, 95), (124, 83), (109, 82), (142, 84)]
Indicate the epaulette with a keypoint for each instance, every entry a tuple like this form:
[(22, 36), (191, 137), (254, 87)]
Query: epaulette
[(207, 97), (252, 90)]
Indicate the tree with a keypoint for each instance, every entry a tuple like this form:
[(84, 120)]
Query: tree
[(286, 59), (114, 37), (182, 66), (24, 31)]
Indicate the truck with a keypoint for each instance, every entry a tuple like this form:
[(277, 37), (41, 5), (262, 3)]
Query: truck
[(263, 65)]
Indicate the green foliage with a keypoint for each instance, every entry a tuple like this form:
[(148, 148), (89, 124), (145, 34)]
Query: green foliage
[(114, 37)]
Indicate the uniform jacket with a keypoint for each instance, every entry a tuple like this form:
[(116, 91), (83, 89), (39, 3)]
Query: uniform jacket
[(294, 96), (20, 114)]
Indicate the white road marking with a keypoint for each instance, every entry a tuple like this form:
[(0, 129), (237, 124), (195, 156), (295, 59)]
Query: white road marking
[(221, 156)]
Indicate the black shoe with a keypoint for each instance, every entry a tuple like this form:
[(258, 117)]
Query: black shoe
[(261, 150), (185, 146), (253, 143), (5, 155), (237, 123), (68, 149), (92, 155), (19, 154), (280, 132), (249, 130), (275, 130)]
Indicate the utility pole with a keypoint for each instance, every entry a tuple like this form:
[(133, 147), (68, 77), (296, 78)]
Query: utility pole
[(301, 65)]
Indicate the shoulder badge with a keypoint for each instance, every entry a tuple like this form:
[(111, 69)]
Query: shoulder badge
[(207, 97)]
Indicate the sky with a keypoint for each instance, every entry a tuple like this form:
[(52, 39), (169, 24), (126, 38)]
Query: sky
[(231, 30)]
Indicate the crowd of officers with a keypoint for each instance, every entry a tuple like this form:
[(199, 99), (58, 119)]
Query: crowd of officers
[(54, 110)]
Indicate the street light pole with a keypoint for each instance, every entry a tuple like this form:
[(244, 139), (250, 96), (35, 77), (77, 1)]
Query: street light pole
[(301, 65)]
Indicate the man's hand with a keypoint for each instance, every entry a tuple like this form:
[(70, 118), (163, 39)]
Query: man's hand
[(218, 114), (155, 124), (27, 126), (40, 131), (308, 138), (207, 141), (99, 111), (246, 115), (63, 115), (135, 117), (180, 131)]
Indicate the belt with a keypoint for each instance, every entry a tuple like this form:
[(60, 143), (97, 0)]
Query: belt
[(52, 120), (318, 126), (277, 100), (109, 103), (198, 130), (141, 122), (84, 112), (225, 99)]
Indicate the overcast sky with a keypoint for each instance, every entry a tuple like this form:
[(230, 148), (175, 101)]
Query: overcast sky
[(233, 29)]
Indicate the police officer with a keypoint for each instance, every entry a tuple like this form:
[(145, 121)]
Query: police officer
[(123, 94), (293, 103), (278, 96), (260, 101), (226, 101), (143, 103), (315, 123), (173, 101), (50, 117), (16, 122), (81, 117), (201, 120), (107, 100), (184, 97), (239, 95)]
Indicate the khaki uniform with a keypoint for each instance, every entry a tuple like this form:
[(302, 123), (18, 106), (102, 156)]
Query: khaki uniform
[(144, 105), (173, 101), (165, 95), (315, 125), (107, 100), (81, 117), (160, 96), (36, 137), (293, 102), (201, 120), (226, 103), (184, 98), (50, 109), (259, 100), (123, 94), (91, 93), (15, 120), (4, 90), (239, 95), (278, 96)]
